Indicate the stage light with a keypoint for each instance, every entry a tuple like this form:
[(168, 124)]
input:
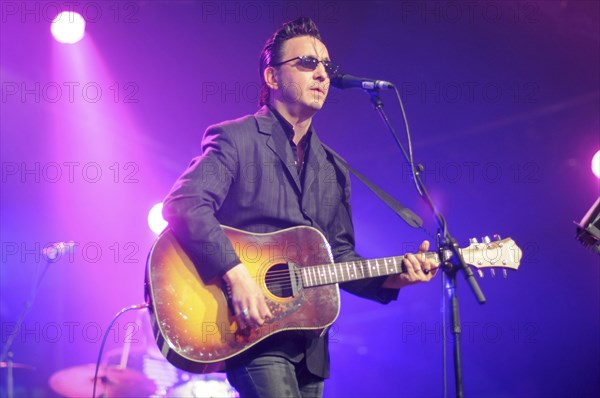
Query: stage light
[(596, 164), (68, 27), (155, 220)]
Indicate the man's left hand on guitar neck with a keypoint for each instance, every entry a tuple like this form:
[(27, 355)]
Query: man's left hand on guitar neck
[(418, 269)]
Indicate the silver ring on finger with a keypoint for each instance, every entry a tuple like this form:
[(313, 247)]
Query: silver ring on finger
[(245, 313)]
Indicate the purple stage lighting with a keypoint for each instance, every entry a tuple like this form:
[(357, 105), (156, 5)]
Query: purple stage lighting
[(155, 220), (596, 164), (68, 27)]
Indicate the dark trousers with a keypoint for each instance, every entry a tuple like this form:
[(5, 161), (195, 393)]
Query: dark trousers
[(274, 377)]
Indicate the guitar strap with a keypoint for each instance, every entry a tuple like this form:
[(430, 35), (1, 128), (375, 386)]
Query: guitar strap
[(410, 217)]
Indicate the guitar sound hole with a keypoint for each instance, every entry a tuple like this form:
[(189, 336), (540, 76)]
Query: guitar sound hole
[(280, 282)]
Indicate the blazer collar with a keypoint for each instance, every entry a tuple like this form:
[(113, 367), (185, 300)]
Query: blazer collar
[(267, 122)]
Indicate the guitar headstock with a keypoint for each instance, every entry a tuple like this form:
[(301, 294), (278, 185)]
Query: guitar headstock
[(488, 254)]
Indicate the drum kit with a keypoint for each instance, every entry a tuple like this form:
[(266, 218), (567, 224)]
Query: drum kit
[(157, 378), (131, 372), (116, 382), (141, 372)]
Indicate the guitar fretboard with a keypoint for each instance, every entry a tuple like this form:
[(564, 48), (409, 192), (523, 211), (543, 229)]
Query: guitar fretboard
[(327, 274)]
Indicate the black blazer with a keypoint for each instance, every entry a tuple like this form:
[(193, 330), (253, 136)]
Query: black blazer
[(246, 178)]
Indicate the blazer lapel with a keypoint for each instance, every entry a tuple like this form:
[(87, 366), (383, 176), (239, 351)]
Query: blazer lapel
[(316, 159), (278, 142)]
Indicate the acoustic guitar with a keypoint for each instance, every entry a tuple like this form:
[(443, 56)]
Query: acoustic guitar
[(193, 320)]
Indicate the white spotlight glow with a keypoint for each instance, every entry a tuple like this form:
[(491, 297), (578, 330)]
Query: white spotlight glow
[(155, 220), (596, 164), (68, 27)]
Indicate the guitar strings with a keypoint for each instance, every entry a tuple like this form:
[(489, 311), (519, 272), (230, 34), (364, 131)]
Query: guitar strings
[(362, 268), (342, 268), (317, 273)]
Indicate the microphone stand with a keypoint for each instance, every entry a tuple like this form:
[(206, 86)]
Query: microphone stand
[(446, 243), (6, 350)]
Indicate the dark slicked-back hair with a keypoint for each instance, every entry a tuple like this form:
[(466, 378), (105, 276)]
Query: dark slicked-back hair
[(271, 52)]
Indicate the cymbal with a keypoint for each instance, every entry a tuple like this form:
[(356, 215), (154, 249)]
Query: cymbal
[(78, 381)]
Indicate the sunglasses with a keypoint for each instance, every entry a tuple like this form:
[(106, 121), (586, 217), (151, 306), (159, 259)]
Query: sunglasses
[(310, 62)]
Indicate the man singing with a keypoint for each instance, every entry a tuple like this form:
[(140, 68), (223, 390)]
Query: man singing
[(295, 181)]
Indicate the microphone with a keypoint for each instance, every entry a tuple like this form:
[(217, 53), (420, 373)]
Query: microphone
[(345, 81), (57, 249)]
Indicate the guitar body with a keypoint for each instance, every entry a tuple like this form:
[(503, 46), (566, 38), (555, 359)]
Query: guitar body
[(193, 321)]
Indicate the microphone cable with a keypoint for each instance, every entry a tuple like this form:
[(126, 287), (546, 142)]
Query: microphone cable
[(124, 310)]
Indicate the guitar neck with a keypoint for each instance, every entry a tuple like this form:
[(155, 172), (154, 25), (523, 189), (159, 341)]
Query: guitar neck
[(327, 274)]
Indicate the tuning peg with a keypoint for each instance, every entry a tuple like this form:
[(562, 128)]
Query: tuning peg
[(505, 273), (486, 239), (473, 241), (497, 237), (493, 272), (480, 272)]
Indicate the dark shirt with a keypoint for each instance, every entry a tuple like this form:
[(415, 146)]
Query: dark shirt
[(301, 150)]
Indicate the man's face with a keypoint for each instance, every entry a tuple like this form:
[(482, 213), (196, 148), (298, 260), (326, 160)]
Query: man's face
[(299, 88)]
